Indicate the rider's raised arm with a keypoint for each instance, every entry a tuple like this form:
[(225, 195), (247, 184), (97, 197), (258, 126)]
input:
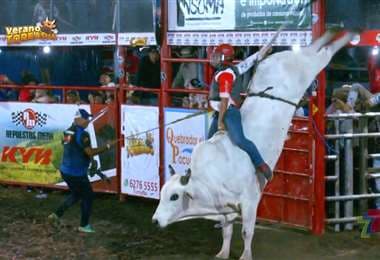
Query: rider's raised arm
[(249, 62)]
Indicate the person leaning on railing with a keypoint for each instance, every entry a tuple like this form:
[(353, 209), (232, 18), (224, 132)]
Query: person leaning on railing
[(353, 98), (148, 76)]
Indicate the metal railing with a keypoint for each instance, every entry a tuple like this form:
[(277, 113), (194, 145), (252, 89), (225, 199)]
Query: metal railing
[(346, 139)]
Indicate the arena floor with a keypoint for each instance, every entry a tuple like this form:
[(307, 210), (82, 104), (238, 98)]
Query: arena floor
[(124, 231)]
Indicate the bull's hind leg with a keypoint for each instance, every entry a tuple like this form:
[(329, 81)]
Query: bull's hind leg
[(227, 234), (340, 43), (327, 52), (322, 41)]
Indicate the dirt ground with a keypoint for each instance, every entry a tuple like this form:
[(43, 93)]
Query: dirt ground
[(124, 231)]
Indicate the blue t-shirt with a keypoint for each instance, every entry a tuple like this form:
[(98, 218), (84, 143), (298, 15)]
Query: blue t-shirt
[(75, 161)]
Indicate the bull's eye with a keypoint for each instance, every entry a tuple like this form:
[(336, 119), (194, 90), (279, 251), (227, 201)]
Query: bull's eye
[(174, 197)]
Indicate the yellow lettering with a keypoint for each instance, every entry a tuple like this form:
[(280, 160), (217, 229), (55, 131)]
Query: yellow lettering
[(30, 36), (8, 30), (23, 36), (37, 29), (16, 37), (9, 38)]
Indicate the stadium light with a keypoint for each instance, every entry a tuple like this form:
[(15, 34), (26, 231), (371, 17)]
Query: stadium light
[(46, 49), (375, 51), (296, 47)]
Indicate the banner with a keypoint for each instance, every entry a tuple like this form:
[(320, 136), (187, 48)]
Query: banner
[(353, 14), (140, 156), (238, 15), (75, 22), (286, 38), (31, 141), (182, 137)]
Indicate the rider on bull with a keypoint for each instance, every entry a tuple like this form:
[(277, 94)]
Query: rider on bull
[(225, 99)]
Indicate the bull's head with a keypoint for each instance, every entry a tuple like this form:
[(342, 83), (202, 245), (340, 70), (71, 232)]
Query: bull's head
[(176, 195)]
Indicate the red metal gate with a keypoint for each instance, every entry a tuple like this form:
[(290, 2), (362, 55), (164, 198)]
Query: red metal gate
[(289, 198)]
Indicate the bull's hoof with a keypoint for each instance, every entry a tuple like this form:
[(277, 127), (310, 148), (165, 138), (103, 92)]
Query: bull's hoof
[(223, 255), (247, 255)]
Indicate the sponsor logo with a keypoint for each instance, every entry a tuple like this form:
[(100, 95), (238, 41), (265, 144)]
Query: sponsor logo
[(36, 155), (29, 118), (76, 38), (45, 30), (137, 146), (370, 222), (62, 38), (92, 38), (139, 41), (201, 10), (187, 144)]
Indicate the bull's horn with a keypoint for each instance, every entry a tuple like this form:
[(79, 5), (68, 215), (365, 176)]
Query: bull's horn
[(185, 179), (171, 170)]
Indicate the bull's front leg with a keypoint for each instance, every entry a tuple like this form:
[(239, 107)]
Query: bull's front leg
[(249, 210), (227, 234)]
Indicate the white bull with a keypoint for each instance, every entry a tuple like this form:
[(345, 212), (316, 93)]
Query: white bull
[(223, 185)]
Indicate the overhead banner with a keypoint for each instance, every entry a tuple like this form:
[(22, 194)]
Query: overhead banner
[(353, 14), (238, 15), (31, 137), (181, 138), (140, 156), (286, 38), (75, 22)]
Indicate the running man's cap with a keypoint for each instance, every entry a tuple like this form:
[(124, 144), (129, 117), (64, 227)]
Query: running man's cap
[(83, 114)]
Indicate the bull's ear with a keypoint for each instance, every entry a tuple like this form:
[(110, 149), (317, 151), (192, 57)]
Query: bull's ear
[(171, 170), (185, 179)]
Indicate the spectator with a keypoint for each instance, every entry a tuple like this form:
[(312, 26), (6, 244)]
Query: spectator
[(26, 95), (303, 107), (374, 73), (7, 94), (97, 98), (148, 76), (105, 80), (187, 70), (131, 66), (72, 97), (43, 96), (197, 101), (352, 98)]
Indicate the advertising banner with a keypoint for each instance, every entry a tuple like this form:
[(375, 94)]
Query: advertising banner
[(256, 38), (237, 15), (75, 22), (182, 137), (353, 14), (31, 141), (140, 156)]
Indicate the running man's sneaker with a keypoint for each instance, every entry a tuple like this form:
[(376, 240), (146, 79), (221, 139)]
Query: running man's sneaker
[(86, 229)]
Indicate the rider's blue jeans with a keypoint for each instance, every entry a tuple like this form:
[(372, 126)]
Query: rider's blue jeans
[(232, 121)]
